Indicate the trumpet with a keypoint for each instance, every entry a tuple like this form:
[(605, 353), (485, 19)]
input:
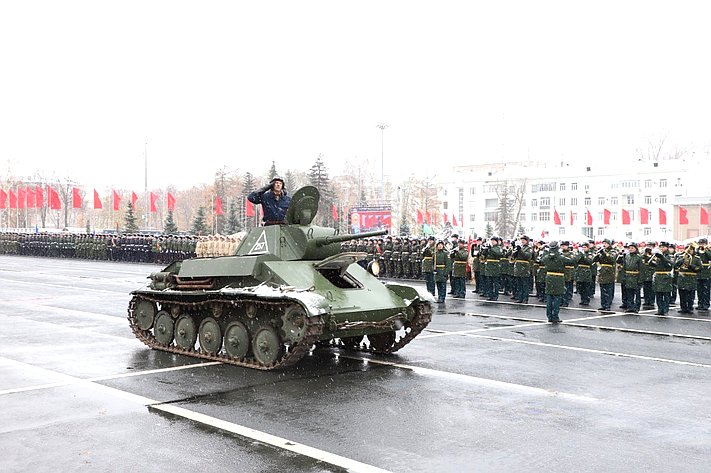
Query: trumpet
[(654, 255), (693, 246)]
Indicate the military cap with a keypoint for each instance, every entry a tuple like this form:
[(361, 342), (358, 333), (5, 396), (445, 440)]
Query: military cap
[(608, 241), (431, 238), (524, 237), (585, 243), (633, 244), (276, 178), (495, 238), (553, 245), (462, 240), (455, 235), (565, 243), (440, 242), (703, 241), (664, 243)]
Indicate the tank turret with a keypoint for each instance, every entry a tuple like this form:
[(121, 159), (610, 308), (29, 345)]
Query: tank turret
[(286, 288)]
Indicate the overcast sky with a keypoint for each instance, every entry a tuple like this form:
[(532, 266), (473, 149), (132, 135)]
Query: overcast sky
[(84, 84)]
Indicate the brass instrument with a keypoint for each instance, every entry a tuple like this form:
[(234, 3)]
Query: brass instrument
[(692, 246), (654, 255)]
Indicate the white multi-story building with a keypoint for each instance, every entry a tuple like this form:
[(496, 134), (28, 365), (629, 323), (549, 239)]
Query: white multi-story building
[(629, 200)]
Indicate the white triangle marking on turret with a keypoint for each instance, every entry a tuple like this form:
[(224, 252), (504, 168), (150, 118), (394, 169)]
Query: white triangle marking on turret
[(260, 246)]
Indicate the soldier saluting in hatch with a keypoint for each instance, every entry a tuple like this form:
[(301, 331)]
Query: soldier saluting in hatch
[(274, 201)]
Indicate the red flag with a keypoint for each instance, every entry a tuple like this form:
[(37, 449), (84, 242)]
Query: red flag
[(117, 200), (572, 220), (683, 219), (39, 197), (543, 234), (588, 218), (153, 202), (171, 201), (248, 208), (643, 216), (606, 217), (556, 218), (428, 217), (703, 216), (13, 199), (454, 220), (76, 198), (420, 219), (662, 217), (30, 198), (97, 201), (21, 198), (446, 219), (218, 206), (334, 212), (53, 199), (3, 199), (626, 217), (134, 199)]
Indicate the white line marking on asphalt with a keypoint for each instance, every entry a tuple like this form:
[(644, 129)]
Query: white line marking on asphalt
[(242, 431), (589, 350), (486, 382)]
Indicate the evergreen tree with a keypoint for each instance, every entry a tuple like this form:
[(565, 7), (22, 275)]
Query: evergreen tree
[(131, 225), (489, 230), (318, 177), (249, 186), (505, 225), (232, 225), (248, 182), (200, 223), (170, 226), (290, 182), (88, 226), (273, 172)]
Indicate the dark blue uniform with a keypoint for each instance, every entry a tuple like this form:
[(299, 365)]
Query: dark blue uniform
[(274, 207)]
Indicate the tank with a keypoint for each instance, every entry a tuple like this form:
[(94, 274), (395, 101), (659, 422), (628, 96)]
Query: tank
[(288, 289)]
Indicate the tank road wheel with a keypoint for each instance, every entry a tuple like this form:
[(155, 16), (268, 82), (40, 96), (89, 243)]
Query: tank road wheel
[(236, 340), (145, 314), (294, 323), (185, 332), (210, 336), (164, 328), (352, 343), (382, 342), (266, 345)]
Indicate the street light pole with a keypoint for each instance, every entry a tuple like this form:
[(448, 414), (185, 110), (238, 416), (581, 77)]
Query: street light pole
[(382, 127)]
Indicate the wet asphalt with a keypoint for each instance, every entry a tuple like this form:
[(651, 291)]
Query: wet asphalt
[(487, 387)]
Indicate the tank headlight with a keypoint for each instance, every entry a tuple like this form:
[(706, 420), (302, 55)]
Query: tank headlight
[(374, 268)]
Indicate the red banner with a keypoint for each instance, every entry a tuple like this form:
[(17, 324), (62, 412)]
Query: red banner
[(556, 218), (31, 198), (134, 199), (3, 199), (171, 202), (588, 218), (703, 216), (218, 206), (21, 197), (683, 219), (13, 199), (454, 220), (153, 202), (97, 201), (117, 201), (643, 216), (606, 217), (248, 208), (53, 201), (334, 212), (572, 220), (445, 218), (428, 217), (662, 217), (626, 220), (39, 197), (76, 198), (420, 218)]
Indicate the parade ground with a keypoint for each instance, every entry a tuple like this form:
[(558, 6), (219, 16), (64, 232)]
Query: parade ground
[(487, 387)]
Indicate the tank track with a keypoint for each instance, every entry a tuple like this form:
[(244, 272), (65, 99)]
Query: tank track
[(423, 316), (296, 351)]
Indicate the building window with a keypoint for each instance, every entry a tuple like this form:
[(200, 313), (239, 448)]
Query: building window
[(561, 231), (490, 216), (587, 187), (588, 201), (630, 184), (615, 185), (562, 217), (600, 231), (629, 198), (600, 201), (613, 200), (471, 217), (545, 202), (523, 202), (534, 217), (647, 231), (647, 183), (647, 199), (574, 186), (445, 192), (490, 189), (662, 199), (522, 217), (678, 182), (662, 182), (575, 216), (613, 216), (561, 201), (445, 205), (544, 216), (491, 203), (544, 187), (573, 201), (534, 202), (561, 186), (472, 190)]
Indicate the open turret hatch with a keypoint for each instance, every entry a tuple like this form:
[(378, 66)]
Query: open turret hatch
[(303, 206)]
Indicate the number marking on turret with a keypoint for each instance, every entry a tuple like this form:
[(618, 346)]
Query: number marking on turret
[(260, 246)]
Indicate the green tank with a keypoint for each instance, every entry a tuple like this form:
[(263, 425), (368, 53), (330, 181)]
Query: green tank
[(287, 289)]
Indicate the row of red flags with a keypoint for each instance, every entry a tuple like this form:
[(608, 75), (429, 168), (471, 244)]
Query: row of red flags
[(426, 216), (644, 215)]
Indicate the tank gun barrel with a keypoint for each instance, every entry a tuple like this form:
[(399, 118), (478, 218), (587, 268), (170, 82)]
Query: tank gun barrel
[(322, 241)]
